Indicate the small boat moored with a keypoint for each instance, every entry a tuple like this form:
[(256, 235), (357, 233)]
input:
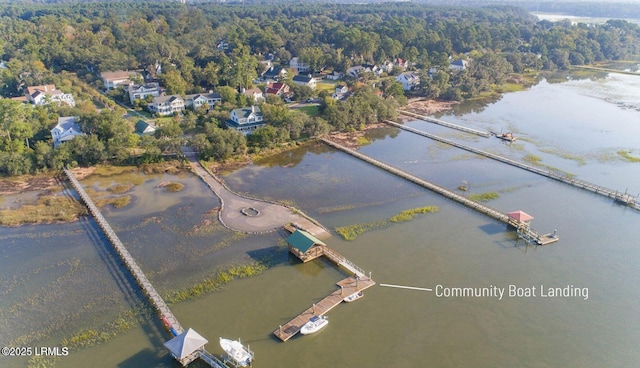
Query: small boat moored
[(239, 354), (314, 325), (354, 297)]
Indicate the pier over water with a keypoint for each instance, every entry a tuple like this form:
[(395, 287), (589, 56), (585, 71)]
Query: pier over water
[(154, 297)]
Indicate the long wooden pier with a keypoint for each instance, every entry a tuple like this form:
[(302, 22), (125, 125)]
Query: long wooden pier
[(526, 231), (620, 197), (445, 123), (154, 297), (353, 284)]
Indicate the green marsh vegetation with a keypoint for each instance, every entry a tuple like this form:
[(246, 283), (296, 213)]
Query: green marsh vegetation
[(47, 209), (626, 156), (217, 280), (351, 232), (483, 197)]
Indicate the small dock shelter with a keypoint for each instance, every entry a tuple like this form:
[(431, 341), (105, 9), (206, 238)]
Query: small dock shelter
[(519, 219), (305, 246), (186, 347)]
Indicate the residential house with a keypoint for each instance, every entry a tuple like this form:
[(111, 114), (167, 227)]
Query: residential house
[(255, 95), (409, 80), (42, 95), (199, 99), (341, 91), (278, 89), (386, 66), (66, 129), (245, 120), (140, 92), (305, 80), (298, 65), (112, 80), (274, 73), (167, 105), (355, 71), (144, 128), (403, 64), (458, 65), (335, 75)]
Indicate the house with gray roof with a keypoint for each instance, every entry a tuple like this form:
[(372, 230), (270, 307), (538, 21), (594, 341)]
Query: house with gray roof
[(197, 100), (144, 128), (66, 129), (167, 105), (245, 120)]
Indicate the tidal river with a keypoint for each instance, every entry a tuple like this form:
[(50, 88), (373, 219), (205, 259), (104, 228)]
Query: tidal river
[(494, 302)]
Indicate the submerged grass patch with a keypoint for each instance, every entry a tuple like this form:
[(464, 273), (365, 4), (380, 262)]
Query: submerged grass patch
[(351, 232), (120, 188), (174, 187), (48, 209), (566, 155), (626, 155), (484, 197), (216, 280)]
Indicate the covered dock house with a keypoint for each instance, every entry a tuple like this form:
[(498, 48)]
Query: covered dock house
[(305, 246)]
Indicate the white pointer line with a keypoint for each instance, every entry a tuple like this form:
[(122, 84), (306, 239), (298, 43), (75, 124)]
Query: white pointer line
[(406, 287)]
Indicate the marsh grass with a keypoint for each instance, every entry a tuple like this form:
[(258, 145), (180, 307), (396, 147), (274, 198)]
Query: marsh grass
[(217, 280), (626, 156), (483, 197), (120, 188), (363, 141), (565, 154), (351, 232), (174, 187), (48, 209)]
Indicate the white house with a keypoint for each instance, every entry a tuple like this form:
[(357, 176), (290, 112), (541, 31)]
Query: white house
[(167, 105), (305, 80), (66, 129), (112, 80), (197, 100), (144, 128), (409, 80), (458, 65), (297, 64), (255, 95), (245, 120), (341, 90), (42, 95), (140, 92)]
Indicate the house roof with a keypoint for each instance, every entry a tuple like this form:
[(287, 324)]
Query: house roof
[(253, 91), (520, 216), (141, 126), (273, 71), (47, 88), (66, 122), (460, 62), (302, 78), (185, 344), (169, 98), (244, 112), (303, 241)]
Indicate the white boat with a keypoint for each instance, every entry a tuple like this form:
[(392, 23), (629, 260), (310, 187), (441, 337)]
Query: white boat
[(314, 325), (354, 296), (241, 355)]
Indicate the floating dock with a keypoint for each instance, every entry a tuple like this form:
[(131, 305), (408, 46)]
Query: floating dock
[(445, 123)]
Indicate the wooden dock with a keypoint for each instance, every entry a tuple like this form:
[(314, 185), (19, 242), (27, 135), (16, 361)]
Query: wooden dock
[(353, 284), (445, 123), (500, 216), (618, 197), (154, 297)]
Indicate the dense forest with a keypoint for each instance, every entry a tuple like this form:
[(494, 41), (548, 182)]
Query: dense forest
[(211, 46)]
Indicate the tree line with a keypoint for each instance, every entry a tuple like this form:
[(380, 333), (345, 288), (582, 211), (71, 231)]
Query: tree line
[(220, 47)]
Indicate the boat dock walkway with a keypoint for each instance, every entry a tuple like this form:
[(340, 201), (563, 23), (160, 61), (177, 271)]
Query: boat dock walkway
[(500, 216), (353, 284), (445, 123), (154, 297), (623, 198)]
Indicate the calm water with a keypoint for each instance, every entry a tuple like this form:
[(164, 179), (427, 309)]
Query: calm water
[(577, 126)]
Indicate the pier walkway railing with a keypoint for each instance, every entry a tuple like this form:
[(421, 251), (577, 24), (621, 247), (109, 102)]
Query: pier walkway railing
[(126, 257), (617, 196), (445, 123), (500, 216)]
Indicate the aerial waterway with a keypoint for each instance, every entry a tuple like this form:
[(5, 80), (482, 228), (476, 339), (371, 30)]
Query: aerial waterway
[(617, 196), (524, 230)]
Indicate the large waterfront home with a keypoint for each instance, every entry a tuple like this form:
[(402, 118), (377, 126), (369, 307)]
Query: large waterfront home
[(66, 129), (245, 120)]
